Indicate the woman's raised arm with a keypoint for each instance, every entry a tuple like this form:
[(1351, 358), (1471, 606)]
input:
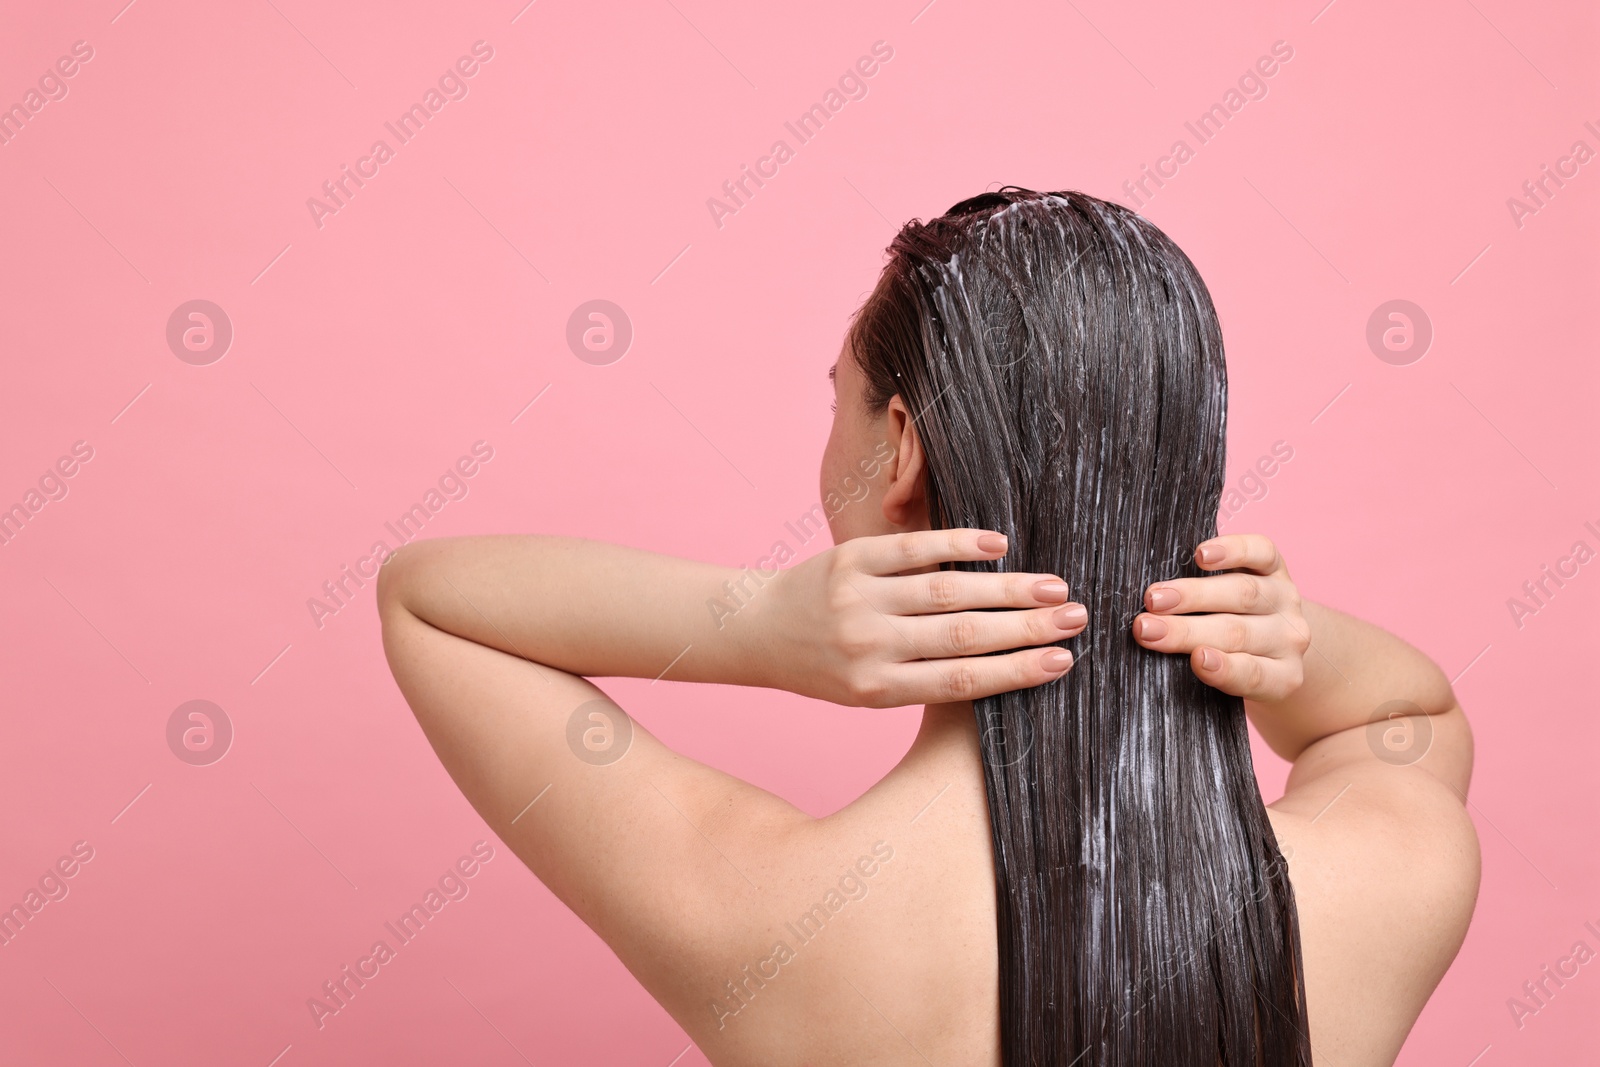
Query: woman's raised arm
[(848, 625), (488, 639), (1306, 671)]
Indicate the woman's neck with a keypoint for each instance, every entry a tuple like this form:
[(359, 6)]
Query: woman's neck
[(951, 726)]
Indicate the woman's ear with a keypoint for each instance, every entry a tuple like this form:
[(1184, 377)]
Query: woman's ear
[(905, 498)]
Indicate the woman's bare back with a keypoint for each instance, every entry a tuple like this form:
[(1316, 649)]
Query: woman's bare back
[(877, 942)]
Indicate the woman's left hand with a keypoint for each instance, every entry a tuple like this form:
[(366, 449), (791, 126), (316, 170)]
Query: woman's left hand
[(1243, 630)]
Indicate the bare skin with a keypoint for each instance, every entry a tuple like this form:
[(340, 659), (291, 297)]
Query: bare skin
[(885, 910)]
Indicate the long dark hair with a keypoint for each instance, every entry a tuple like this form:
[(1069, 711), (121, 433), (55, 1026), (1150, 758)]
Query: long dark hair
[(1064, 365)]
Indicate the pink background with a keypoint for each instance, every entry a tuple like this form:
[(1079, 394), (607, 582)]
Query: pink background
[(373, 351)]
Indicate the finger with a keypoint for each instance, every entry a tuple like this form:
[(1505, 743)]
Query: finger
[(1252, 552), (972, 633), (1242, 674), (1239, 593), (945, 680), (1256, 635), (901, 552), (941, 591)]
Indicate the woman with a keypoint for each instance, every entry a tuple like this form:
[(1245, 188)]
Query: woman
[(1072, 862)]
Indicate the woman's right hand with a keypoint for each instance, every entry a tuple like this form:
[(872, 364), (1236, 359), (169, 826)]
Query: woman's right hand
[(869, 624), (1243, 630)]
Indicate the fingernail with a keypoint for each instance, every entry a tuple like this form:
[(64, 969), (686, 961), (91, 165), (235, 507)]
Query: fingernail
[(1152, 629), (1161, 599), (1072, 615), (992, 542), (1210, 659), (1051, 590), (1210, 553), (1057, 659)]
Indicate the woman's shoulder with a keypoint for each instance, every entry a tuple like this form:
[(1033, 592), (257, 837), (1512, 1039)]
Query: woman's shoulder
[(1384, 860)]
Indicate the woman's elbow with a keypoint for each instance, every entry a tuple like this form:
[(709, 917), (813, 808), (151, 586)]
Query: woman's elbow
[(393, 586)]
